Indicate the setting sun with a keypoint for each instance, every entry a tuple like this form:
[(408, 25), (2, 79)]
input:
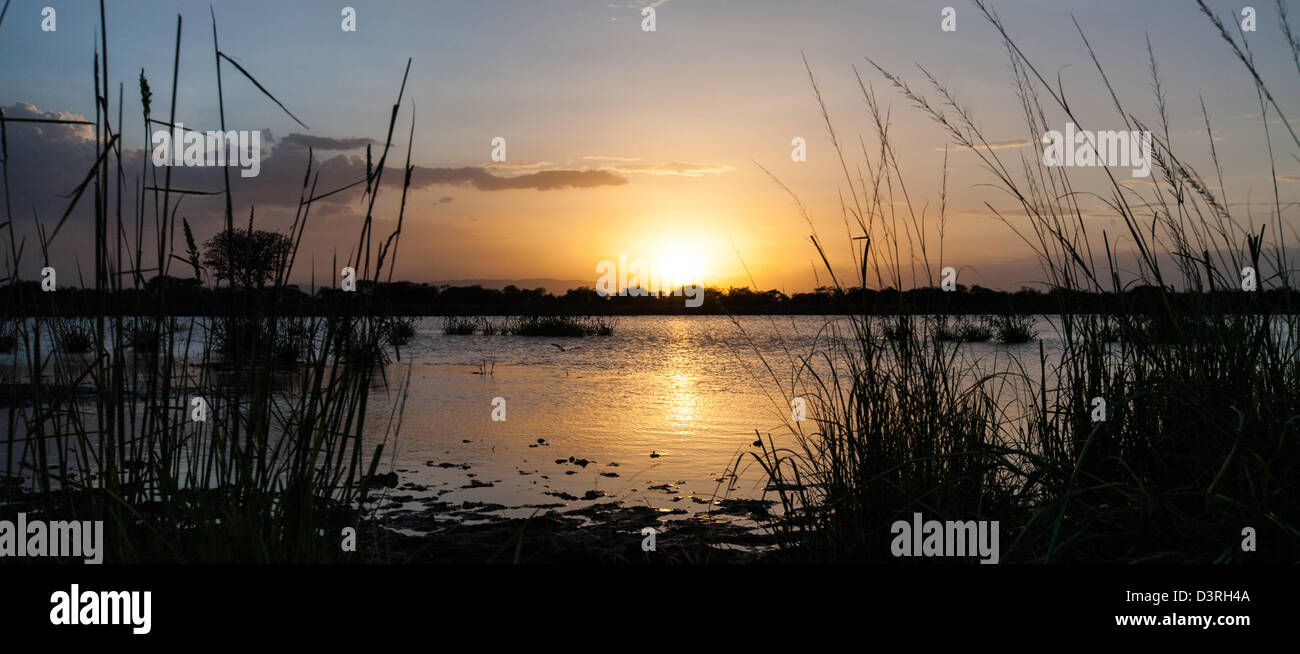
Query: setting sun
[(680, 263)]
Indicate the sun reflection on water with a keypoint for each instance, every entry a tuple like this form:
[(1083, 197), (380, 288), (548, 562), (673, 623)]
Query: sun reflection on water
[(680, 391), (683, 401)]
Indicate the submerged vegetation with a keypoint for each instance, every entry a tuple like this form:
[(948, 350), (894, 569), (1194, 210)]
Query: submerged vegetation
[(456, 326), (558, 326), (570, 326), (1014, 329), (400, 331), (74, 336), (1196, 437)]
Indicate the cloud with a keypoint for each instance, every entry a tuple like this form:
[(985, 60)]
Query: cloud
[(483, 180), (282, 175), (638, 4), (679, 168), (323, 142), (596, 157), (1138, 181), (996, 145), (519, 166), (49, 160), (52, 132), (1017, 212), (1200, 134)]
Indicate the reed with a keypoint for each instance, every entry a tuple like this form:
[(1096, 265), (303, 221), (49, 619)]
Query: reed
[(1198, 440), (284, 457)]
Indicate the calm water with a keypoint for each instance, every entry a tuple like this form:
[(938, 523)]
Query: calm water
[(693, 390)]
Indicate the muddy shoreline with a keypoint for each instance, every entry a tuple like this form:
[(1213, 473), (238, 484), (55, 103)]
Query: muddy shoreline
[(602, 532), (471, 533), (411, 523)]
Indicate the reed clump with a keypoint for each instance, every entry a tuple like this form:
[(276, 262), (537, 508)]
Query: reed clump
[(74, 335), (183, 459), (561, 326), (400, 330), (1197, 438), (1014, 329), (456, 326)]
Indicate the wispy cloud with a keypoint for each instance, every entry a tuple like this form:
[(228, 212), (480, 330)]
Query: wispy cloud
[(679, 168), (54, 159), (598, 157), (323, 143), (483, 180), (638, 4), (997, 145), (519, 166)]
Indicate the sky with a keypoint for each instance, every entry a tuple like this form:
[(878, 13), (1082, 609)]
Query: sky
[(651, 144)]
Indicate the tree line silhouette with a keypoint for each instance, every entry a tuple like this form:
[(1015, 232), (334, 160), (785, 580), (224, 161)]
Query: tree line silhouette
[(189, 297)]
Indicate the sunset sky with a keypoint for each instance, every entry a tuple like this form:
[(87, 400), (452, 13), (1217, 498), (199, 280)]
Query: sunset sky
[(619, 140)]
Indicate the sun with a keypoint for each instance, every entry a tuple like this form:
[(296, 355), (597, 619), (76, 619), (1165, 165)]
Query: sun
[(680, 263)]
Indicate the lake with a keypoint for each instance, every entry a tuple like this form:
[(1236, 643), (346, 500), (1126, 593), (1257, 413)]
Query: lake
[(662, 411), (692, 390)]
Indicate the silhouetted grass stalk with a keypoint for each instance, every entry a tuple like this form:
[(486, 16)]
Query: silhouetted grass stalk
[(1202, 404), (281, 462)]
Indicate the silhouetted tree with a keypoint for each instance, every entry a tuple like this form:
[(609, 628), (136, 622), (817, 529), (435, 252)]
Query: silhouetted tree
[(247, 258)]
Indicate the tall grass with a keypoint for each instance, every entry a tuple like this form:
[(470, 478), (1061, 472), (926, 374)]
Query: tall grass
[(280, 464), (895, 424), (1199, 438)]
